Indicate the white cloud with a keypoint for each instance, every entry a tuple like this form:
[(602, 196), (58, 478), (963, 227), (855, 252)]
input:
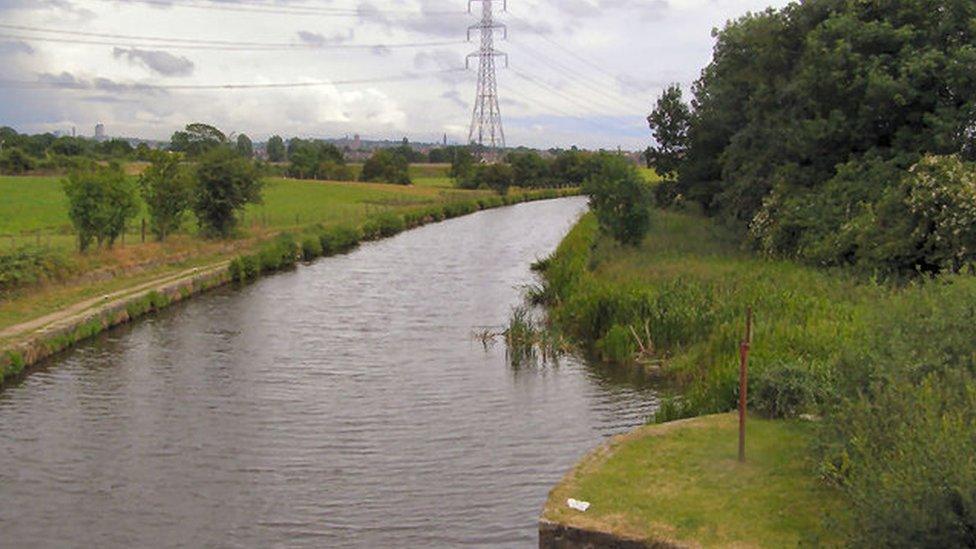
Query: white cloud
[(157, 61), (612, 59)]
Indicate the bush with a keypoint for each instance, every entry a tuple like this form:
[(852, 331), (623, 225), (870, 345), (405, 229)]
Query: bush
[(909, 465), (387, 167), (621, 200), (30, 265), (785, 391), (383, 225), (311, 248), (497, 177), (14, 161), (279, 254), (339, 239)]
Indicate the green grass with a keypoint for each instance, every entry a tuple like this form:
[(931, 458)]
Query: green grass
[(291, 202), (682, 482), (691, 284), (32, 203)]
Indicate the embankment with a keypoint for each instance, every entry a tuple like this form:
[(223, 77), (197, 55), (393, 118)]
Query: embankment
[(679, 484), (887, 364), (27, 344)]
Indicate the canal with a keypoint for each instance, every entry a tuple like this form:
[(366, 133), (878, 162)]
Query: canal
[(343, 404)]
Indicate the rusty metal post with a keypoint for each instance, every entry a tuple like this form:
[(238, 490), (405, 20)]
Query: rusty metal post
[(744, 383)]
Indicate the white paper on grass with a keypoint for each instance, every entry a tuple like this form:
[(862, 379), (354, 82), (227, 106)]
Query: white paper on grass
[(581, 506)]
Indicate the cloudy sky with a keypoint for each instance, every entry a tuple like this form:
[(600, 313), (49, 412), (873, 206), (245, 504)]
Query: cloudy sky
[(581, 71)]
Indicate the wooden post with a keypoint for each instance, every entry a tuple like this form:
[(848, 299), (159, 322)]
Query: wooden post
[(744, 383), (143, 230)]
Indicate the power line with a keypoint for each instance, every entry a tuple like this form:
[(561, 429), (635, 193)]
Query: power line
[(574, 53), (593, 85), (99, 84), (553, 90), (185, 44), (278, 9), (548, 107)]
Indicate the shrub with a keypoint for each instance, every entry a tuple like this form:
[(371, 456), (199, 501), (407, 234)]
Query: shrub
[(14, 161), (497, 177), (785, 391), (311, 248), (386, 166), (383, 225), (30, 265), (281, 253), (621, 200), (339, 239)]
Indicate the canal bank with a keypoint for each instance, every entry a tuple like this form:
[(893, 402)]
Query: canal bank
[(679, 484), (23, 346), (344, 403)]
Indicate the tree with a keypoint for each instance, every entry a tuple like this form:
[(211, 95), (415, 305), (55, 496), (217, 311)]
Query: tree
[(114, 148), (497, 177), (143, 152), (70, 146), (529, 169), (15, 162), (245, 147), (620, 199), (167, 188), (669, 123), (197, 139), (317, 160), (276, 149), (225, 184), (797, 99), (100, 202), (462, 162), (386, 166)]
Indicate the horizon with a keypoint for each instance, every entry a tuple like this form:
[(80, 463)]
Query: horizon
[(580, 71)]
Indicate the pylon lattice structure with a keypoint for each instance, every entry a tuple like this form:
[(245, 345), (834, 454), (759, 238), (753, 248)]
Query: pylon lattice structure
[(486, 120)]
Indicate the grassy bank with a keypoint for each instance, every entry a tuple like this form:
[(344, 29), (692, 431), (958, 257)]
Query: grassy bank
[(59, 322), (681, 483), (889, 368)]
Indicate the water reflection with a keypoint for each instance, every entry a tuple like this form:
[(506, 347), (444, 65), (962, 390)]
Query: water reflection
[(344, 404)]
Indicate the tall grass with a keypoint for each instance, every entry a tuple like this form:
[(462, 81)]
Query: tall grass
[(891, 369)]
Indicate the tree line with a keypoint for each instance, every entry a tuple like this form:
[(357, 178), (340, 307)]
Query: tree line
[(843, 133), (836, 132), (102, 200)]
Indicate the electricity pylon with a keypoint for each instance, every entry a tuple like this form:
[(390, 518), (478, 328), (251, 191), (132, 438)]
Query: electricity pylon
[(486, 120)]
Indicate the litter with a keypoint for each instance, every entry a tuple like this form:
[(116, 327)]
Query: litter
[(581, 506)]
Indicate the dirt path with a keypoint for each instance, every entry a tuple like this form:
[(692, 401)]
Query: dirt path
[(17, 331)]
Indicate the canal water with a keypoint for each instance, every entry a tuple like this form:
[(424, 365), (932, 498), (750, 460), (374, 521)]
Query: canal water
[(344, 404)]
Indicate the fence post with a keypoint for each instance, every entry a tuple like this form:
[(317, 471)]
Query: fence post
[(744, 383), (143, 230)]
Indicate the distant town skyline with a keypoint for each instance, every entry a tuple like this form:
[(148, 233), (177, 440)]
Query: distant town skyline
[(582, 72)]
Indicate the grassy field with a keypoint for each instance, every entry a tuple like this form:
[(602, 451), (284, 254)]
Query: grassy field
[(33, 210), (681, 482)]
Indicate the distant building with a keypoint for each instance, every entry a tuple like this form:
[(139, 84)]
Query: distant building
[(356, 142), (99, 132)]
